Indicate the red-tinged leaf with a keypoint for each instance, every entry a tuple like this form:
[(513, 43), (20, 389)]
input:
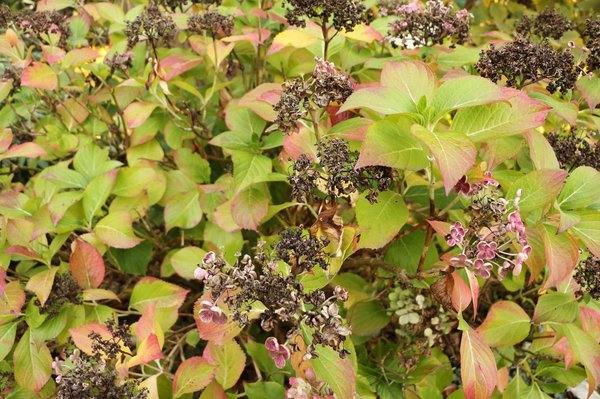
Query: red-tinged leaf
[(8, 332), (589, 87), (80, 335), (25, 150), (303, 142), (563, 348), (2, 281), (442, 228), (52, 54), (478, 366), (517, 114), (99, 294), (151, 290), (148, 325), (454, 153), (540, 151), (506, 324), (12, 301), (32, 363), (220, 334), (588, 230), (192, 375), (250, 206), (229, 359), (291, 38), (6, 138), (590, 321), (23, 251), (255, 37), (536, 262), (562, 254), (461, 294), (175, 65), (474, 288), (261, 100), (87, 265), (137, 113), (39, 76), (213, 391), (585, 350), (502, 379), (466, 91), (147, 351), (116, 230), (79, 56), (364, 33), (41, 284), (414, 78)]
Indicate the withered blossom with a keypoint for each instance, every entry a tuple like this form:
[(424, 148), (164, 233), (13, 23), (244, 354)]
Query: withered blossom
[(549, 23), (211, 22), (587, 275), (343, 14), (574, 149), (152, 24)]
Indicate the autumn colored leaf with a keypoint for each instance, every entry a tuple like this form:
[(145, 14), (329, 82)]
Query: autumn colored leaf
[(413, 78), (562, 254), (461, 293), (147, 351), (229, 359), (192, 375), (39, 76), (136, 113), (506, 324), (86, 264), (478, 366), (41, 284), (32, 362)]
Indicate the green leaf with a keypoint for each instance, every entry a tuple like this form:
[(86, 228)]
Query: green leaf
[(243, 119), (91, 161), (264, 390), (581, 189), (249, 168), (8, 333), (405, 252), (454, 153), (152, 290), (567, 110), (589, 87), (380, 222), (506, 324), (500, 120), (193, 165), (230, 361), (555, 307), (383, 100), (96, 194), (32, 363), (115, 230), (588, 230), (468, 91), (391, 144), (183, 210), (186, 260), (533, 392), (539, 188), (338, 373), (413, 78), (136, 113), (367, 318), (133, 260), (192, 375), (66, 178)]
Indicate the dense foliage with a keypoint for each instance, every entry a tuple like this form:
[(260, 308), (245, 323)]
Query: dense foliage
[(299, 199)]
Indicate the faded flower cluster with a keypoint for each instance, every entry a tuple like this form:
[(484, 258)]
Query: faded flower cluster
[(427, 24), (587, 275), (336, 173), (493, 237), (82, 376), (574, 149), (327, 85), (260, 284), (152, 25), (214, 24), (549, 23), (343, 14), (522, 62)]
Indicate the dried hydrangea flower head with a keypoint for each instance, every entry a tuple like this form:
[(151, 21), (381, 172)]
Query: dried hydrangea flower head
[(574, 149), (65, 290), (587, 275), (257, 279), (522, 62), (119, 61), (180, 4), (214, 24), (330, 86), (549, 23), (343, 14), (427, 24), (591, 37), (40, 23), (492, 233), (6, 16), (293, 104), (152, 24)]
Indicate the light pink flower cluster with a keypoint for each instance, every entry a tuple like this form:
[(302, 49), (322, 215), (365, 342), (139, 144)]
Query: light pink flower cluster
[(201, 273), (303, 389), (278, 352), (463, 186), (487, 240)]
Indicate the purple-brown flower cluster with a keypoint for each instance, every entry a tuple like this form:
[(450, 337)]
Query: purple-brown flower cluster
[(587, 275), (522, 62), (548, 23), (214, 24), (574, 149), (327, 85), (591, 37), (427, 24), (152, 24), (279, 294), (343, 14), (337, 174), (492, 238)]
